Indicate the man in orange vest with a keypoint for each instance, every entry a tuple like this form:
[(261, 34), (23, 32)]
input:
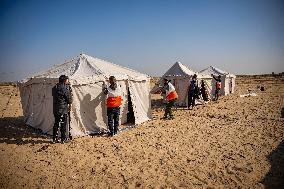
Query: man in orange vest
[(218, 86), (114, 100), (171, 97)]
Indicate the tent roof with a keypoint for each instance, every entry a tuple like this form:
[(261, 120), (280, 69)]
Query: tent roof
[(84, 66), (215, 71), (178, 69)]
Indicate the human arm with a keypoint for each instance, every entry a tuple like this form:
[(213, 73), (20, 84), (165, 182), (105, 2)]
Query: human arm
[(66, 93), (69, 96), (214, 77), (105, 91)]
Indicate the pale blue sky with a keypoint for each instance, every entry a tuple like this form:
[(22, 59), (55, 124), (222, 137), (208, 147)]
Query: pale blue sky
[(240, 36)]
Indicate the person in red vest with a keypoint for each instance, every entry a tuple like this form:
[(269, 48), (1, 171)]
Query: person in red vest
[(218, 86), (114, 100), (171, 97)]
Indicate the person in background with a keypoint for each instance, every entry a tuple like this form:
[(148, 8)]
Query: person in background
[(171, 97), (114, 100), (218, 86), (62, 99), (192, 90), (203, 90)]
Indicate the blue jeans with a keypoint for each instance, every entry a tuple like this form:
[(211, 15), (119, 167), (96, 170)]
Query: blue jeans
[(113, 119)]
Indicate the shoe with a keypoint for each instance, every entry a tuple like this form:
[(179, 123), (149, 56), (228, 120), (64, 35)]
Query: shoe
[(55, 141), (65, 141), (171, 118), (111, 134)]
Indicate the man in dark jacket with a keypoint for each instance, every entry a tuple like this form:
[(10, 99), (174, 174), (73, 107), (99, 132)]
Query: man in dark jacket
[(62, 99), (192, 91)]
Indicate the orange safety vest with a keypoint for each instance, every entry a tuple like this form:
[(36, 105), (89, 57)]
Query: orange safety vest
[(114, 98), (218, 85), (171, 94)]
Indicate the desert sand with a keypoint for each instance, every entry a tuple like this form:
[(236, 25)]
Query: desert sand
[(233, 143)]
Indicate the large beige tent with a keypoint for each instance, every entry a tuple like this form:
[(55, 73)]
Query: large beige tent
[(180, 76), (228, 80), (88, 76)]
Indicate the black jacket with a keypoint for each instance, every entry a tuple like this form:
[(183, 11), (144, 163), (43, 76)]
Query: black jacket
[(62, 97)]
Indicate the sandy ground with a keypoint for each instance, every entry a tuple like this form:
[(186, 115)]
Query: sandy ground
[(234, 143)]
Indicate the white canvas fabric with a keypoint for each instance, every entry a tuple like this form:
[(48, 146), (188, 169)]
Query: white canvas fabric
[(88, 76), (227, 79), (180, 76), (178, 69), (114, 93), (171, 89)]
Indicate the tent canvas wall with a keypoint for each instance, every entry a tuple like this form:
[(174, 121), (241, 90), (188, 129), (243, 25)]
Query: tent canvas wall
[(227, 79), (88, 76), (180, 77)]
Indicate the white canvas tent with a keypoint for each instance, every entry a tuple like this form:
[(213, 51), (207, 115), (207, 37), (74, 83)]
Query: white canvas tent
[(228, 80), (180, 76), (87, 76)]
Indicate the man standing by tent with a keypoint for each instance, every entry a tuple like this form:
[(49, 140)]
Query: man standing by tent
[(192, 91), (113, 105), (62, 100), (171, 97), (218, 86)]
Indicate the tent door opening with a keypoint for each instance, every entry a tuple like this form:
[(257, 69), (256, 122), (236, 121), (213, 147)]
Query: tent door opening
[(130, 113)]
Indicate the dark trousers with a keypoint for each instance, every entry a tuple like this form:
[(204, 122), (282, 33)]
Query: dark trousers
[(168, 110), (217, 93), (113, 119), (60, 121), (204, 95), (191, 99)]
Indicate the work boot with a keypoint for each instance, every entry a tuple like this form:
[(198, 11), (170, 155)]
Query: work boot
[(110, 134)]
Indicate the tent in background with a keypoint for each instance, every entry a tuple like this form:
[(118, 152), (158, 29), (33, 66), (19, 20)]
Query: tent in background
[(180, 77), (88, 77), (228, 80)]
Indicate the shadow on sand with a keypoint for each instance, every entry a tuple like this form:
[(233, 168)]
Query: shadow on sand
[(157, 103), (275, 177), (14, 131)]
